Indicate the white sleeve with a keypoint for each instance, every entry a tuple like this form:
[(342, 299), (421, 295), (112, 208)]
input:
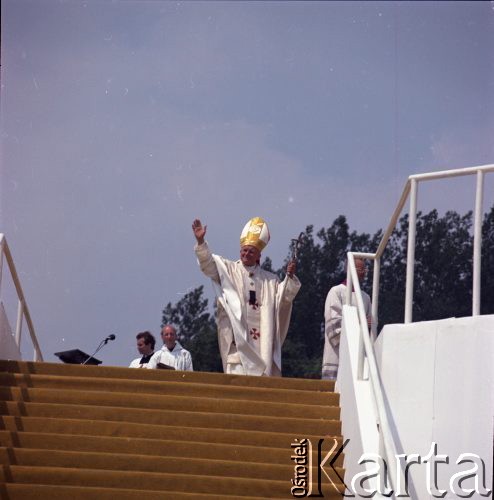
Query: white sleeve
[(135, 363), (153, 362), (206, 261), (332, 314), (188, 363), (290, 288)]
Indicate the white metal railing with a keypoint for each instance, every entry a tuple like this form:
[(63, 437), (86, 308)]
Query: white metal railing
[(411, 188), (22, 309), (366, 350)]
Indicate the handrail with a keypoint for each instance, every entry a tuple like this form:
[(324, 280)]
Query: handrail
[(409, 189), (22, 310), (395, 472), (394, 220), (366, 350)]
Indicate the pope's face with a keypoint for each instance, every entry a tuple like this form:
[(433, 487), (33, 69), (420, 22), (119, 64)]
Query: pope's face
[(249, 255)]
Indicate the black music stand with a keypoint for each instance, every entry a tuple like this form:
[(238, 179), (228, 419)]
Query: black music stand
[(77, 357)]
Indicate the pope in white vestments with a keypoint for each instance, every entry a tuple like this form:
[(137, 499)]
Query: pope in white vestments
[(254, 308)]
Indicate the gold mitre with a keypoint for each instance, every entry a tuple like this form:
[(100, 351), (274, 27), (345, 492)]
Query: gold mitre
[(255, 233)]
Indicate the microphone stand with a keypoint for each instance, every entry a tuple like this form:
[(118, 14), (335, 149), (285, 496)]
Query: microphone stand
[(101, 345)]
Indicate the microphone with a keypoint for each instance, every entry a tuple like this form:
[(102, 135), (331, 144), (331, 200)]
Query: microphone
[(101, 344)]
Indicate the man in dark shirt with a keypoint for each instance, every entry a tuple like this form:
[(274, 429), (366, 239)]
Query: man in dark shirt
[(145, 346)]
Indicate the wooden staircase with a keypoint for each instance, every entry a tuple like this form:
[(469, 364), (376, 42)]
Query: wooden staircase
[(88, 432)]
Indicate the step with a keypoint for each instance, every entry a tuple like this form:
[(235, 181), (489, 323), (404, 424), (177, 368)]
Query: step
[(155, 447), (19, 491), (114, 372), (173, 388), (297, 426), (150, 463), (167, 402), (146, 431), (239, 487)]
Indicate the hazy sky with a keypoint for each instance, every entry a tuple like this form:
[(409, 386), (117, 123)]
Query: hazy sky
[(122, 121)]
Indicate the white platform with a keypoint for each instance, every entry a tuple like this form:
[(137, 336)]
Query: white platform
[(438, 378)]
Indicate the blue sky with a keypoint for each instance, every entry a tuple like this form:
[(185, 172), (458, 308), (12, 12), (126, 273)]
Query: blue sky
[(122, 121)]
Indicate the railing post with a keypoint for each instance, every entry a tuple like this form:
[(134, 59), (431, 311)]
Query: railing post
[(18, 329), (412, 226), (477, 243), (37, 355), (375, 296), (349, 283), (1, 260), (351, 271)]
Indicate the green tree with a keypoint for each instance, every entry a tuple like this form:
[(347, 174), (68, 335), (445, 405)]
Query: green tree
[(267, 265), (321, 265), (442, 285), (442, 271), (392, 276), (487, 270), (300, 350)]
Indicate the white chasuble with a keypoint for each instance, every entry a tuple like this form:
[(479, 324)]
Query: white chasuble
[(249, 333)]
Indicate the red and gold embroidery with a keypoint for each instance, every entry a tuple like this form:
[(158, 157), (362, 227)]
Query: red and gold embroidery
[(255, 333)]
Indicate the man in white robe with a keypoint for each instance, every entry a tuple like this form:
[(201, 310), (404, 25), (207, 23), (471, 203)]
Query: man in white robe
[(145, 346), (254, 308), (333, 309), (172, 354)]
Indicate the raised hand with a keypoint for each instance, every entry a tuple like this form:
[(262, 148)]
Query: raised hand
[(199, 231), (291, 268)]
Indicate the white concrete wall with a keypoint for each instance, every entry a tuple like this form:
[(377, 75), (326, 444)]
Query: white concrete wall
[(358, 416), (8, 347), (438, 379), (357, 410)]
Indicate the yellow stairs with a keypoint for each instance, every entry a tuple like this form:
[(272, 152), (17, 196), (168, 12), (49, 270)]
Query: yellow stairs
[(94, 432)]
